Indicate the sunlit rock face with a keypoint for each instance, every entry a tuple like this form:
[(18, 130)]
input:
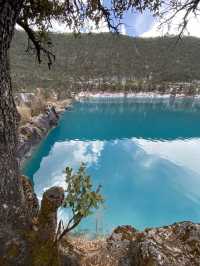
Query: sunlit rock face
[(174, 245), (24, 98), (32, 133)]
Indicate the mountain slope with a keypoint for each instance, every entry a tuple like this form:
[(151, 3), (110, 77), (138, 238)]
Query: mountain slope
[(106, 57)]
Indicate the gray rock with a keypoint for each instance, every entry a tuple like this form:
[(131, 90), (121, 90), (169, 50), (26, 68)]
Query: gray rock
[(33, 132), (24, 98), (174, 245)]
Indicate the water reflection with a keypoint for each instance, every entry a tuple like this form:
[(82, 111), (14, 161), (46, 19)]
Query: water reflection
[(68, 153), (122, 119), (145, 183), (143, 153)]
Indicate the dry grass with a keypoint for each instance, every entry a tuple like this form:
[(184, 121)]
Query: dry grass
[(38, 106), (97, 252), (25, 113), (34, 108)]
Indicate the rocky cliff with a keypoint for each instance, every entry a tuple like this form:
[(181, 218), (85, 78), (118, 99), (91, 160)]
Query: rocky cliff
[(36, 127), (32, 133)]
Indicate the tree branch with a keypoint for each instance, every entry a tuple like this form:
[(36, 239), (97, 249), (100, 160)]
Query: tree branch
[(37, 43), (68, 227)]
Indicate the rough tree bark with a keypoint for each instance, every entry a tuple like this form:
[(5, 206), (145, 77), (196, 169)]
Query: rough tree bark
[(18, 204), (11, 194), (12, 201)]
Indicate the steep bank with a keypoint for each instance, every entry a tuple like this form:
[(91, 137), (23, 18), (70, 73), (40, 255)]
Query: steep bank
[(34, 131), (100, 61), (37, 127)]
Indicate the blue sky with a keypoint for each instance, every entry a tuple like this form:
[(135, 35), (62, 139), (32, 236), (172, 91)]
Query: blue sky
[(136, 23), (145, 25)]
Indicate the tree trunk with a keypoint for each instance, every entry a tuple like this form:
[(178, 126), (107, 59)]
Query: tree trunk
[(21, 243), (12, 201), (13, 210)]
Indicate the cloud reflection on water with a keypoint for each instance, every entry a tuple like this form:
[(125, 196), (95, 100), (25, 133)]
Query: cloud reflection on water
[(149, 182), (68, 153)]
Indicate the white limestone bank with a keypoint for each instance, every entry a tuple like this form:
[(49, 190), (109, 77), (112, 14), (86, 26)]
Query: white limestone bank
[(151, 95)]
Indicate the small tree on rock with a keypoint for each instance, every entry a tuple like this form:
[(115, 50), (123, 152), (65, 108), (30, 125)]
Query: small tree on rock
[(80, 197)]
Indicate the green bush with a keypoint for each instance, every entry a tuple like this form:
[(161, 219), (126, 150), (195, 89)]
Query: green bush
[(80, 197)]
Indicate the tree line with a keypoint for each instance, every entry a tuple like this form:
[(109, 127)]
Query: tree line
[(100, 60)]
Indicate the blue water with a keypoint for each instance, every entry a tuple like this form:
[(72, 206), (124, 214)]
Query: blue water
[(145, 154)]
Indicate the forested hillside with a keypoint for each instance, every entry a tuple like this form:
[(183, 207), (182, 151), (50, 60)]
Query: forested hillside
[(106, 58)]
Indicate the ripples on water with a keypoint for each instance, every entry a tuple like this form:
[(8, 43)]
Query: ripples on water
[(144, 152)]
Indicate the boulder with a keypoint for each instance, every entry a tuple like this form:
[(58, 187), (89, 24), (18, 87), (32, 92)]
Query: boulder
[(125, 232)]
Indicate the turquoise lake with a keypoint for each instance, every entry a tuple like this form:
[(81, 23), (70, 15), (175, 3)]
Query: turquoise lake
[(144, 152)]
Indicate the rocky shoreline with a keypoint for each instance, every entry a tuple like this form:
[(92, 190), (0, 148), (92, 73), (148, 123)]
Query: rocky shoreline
[(150, 95), (174, 245), (33, 131)]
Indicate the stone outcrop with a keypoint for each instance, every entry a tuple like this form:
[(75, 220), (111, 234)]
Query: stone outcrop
[(30, 197), (173, 245), (44, 247), (24, 98), (32, 133), (33, 244)]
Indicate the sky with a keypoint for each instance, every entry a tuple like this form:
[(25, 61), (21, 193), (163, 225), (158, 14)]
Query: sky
[(143, 25), (193, 27), (134, 24)]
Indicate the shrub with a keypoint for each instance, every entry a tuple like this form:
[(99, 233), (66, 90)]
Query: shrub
[(80, 197)]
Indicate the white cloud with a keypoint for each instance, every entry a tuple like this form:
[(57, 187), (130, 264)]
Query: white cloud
[(60, 27), (88, 27), (91, 27), (142, 22), (174, 151), (123, 29), (68, 153), (183, 154), (193, 27)]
